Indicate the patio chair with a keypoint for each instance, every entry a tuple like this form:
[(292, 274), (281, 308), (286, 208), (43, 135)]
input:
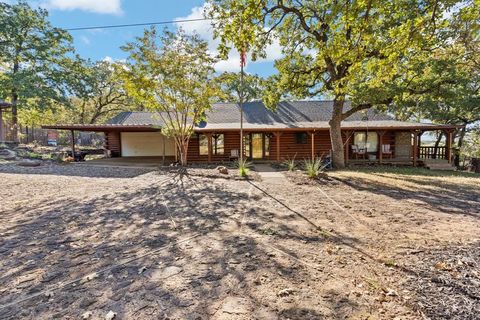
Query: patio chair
[(359, 152), (387, 151), (234, 155)]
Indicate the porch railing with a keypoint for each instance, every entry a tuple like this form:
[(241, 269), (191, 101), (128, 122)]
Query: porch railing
[(432, 152)]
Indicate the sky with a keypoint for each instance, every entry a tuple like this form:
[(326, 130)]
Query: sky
[(100, 44)]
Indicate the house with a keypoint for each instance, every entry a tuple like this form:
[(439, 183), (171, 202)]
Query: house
[(295, 129)]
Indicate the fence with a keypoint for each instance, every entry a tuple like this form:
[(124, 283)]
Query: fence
[(432, 152), (40, 136)]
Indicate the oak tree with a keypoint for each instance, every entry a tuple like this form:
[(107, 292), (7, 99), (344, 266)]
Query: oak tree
[(344, 50)]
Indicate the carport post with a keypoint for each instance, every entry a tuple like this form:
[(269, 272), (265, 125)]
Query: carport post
[(73, 144), (163, 154)]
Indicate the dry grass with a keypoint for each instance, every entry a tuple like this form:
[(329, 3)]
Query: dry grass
[(413, 179)]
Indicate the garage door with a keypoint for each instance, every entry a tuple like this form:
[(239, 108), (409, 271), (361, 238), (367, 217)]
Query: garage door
[(146, 144)]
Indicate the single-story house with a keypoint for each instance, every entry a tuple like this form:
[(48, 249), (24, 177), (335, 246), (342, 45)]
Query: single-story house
[(297, 129)]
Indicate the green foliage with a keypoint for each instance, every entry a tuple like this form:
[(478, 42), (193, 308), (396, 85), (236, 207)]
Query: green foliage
[(313, 167), (98, 90), (243, 167), (448, 88), (172, 74), (471, 148), (32, 57), (355, 50), (290, 163), (229, 82)]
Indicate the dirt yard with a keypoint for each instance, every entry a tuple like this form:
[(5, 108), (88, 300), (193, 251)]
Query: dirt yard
[(83, 242)]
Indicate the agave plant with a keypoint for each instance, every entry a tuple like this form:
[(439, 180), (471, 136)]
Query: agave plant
[(313, 167), (290, 163), (243, 167)]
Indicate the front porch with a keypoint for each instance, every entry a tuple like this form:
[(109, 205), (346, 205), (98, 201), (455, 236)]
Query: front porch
[(395, 147)]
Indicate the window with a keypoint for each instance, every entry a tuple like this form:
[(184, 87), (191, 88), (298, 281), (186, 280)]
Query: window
[(203, 144), (218, 144), (362, 141), (301, 137)]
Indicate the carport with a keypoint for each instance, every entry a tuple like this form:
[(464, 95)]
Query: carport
[(135, 142)]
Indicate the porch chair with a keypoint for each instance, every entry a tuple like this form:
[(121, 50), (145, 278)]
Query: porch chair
[(387, 151), (234, 155), (359, 152)]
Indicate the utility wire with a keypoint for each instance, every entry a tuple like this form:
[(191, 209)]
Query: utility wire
[(137, 24)]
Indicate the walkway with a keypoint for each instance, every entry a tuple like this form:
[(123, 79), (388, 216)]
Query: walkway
[(269, 174)]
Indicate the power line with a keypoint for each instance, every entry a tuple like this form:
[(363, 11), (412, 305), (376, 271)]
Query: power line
[(137, 24)]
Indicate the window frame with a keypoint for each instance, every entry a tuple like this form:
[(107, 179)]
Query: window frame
[(372, 147), (202, 136), (216, 150), (301, 137)]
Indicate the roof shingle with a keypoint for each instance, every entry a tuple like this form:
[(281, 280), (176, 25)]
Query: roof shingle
[(288, 114)]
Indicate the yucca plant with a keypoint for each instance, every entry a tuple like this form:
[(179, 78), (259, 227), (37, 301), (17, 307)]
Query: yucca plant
[(313, 167), (290, 163), (243, 167)]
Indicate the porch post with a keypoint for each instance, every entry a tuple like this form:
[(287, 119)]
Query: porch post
[(419, 144), (380, 146), (209, 137), (415, 141), (347, 145), (312, 134), (448, 151), (73, 144), (277, 136)]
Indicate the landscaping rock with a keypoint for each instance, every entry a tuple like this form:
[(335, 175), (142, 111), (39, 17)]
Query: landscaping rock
[(222, 169), (7, 154), (29, 163), (110, 315), (87, 315)]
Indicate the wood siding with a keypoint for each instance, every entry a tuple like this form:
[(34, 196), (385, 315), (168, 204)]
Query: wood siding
[(289, 147), (231, 142), (113, 143)]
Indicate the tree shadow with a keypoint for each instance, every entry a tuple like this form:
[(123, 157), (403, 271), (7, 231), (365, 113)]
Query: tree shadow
[(133, 244), (75, 170), (445, 197)]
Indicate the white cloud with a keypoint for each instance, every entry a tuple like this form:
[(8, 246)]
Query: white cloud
[(96, 6), (205, 30), (85, 40), (112, 60)]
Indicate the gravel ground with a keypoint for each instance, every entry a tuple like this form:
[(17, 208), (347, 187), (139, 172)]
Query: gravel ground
[(83, 241)]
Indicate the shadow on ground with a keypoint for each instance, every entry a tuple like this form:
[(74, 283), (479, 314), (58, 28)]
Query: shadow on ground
[(164, 250)]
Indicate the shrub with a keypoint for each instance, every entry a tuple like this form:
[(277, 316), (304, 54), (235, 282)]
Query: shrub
[(243, 167), (290, 163), (313, 167)]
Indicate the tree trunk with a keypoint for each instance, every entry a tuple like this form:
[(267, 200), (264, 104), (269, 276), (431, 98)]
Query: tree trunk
[(183, 150), (14, 129), (338, 159), (461, 136), (437, 143)]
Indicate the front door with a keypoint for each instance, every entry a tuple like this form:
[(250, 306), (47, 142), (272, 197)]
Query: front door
[(257, 146)]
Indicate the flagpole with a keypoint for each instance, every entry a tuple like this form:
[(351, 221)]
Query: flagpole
[(241, 109)]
